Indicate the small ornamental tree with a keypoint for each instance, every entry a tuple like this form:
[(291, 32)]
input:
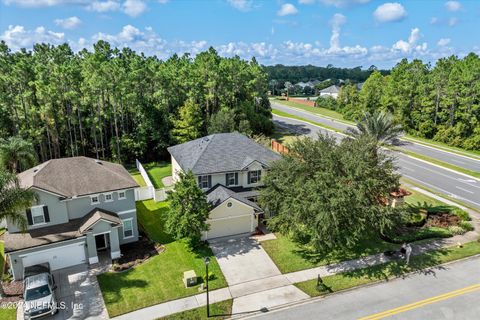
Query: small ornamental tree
[(189, 210)]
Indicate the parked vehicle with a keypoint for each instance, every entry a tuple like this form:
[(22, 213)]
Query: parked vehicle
[(39, 292)]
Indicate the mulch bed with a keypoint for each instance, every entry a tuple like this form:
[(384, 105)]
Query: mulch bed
[(442, 220), (13, 291), (135, 253)]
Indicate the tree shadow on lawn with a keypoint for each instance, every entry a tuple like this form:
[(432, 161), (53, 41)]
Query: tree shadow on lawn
[(111, 285), (363, 248), (426, 264)]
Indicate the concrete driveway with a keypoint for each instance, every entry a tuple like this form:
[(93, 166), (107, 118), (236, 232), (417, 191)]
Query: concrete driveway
[(242, 259), (78, 290)]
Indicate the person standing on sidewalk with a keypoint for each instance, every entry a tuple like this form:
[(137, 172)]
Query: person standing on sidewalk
[(408, 252)]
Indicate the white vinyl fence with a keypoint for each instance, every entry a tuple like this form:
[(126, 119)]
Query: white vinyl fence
[(149, 191)]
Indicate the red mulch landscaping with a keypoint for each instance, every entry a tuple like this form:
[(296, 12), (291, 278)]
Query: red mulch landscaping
[(442, 220), (135, 253), (13, 291)]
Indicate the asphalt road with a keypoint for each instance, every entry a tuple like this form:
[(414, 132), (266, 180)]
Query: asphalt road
[(448, 157), (443, 180), (453, 292)]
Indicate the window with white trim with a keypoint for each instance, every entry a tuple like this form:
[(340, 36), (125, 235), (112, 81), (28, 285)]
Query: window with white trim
[(231, 179), (254, 176), (121, 195), (204, 182), (108, 197), (94, 199), (38, 214), (127, 228)]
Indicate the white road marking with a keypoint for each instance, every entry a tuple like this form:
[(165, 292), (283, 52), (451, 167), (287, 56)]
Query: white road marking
[(464, 189)]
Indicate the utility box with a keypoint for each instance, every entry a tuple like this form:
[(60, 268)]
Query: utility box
[(189, 278)]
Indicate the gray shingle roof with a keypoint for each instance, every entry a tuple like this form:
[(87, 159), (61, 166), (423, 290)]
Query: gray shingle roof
[(219, 194), (221, 152), (77, 176), (331, 89)]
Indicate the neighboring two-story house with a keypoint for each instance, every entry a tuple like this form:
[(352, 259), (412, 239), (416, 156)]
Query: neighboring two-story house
[(83, 206), (229, 168)]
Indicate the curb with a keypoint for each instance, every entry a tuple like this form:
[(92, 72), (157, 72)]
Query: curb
[(328, 295)]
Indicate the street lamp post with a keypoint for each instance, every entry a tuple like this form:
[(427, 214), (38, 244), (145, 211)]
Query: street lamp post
[(207, 261)]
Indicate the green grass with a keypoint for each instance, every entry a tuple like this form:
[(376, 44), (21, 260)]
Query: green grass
[(157, 171), (440, 163), (283, 135), (5, 314), (219, 310), (351, 279), (290, 257), (418, 198), (317, 110), (160, 278), (137, 176)]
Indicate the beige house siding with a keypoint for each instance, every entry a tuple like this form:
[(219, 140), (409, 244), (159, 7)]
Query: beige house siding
[(236, 219), (176, 169)]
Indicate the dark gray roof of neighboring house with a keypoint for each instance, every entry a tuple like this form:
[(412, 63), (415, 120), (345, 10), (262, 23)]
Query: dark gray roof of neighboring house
[(77, 176), (65, 231), (42, 236), (331, 89), (221, 152), (219, 194), (96, 215)]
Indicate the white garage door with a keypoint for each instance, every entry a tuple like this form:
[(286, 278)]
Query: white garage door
[(230, 226), (61, 257)]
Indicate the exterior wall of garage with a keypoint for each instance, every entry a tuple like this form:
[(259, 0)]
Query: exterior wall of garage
[(16, 263), (225, 220)]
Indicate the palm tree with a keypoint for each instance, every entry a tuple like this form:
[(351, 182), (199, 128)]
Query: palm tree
[(17, 154), (13, 202), (378, 125)]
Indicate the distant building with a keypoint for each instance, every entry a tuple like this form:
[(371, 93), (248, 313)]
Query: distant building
[(331, 91), (359, 85)]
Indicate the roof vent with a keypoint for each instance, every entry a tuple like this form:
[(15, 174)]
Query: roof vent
[(99, 162), (35, 170)]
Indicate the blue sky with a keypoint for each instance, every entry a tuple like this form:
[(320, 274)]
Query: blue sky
[(320, 32)]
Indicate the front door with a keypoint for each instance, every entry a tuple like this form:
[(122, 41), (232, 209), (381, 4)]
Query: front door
[(101, 241)]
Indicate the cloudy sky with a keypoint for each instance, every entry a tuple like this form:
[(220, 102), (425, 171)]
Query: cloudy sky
[(320, 32)]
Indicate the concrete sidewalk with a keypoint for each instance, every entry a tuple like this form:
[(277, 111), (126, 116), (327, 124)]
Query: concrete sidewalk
[(277, 290)]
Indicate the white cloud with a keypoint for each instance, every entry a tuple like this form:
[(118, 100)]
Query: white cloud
[(452, 21), (443, 42), (134, 8), (337, 21), (104, 6), (287, 9), (343, 3), (306, 1), (17, 37), (68, 23), (410, 45), (242, 5), (434, 20), (453, 6), (389, 12)]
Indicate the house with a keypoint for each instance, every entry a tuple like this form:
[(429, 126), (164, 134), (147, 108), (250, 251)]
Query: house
[(331, 91), (229, 168), (83, 206)]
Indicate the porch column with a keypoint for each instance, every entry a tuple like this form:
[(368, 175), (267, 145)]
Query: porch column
[(91, 249), (114, 243)]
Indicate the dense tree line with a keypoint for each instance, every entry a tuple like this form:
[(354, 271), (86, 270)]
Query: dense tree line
[(279, 74), (117, 104), (440, 102)]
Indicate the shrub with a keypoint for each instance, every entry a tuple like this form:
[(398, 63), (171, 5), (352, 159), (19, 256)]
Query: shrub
[(465, 225), (461, 214), (456, 230)]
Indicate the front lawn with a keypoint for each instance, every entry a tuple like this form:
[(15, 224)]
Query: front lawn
[(219, 310), (347, 280), (290, 257), (157, 171), (160, 278)]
